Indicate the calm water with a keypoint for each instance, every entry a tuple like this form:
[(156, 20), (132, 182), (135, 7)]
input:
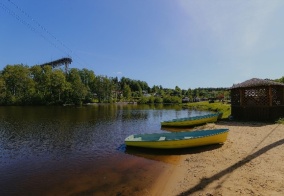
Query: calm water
[(79, 150)]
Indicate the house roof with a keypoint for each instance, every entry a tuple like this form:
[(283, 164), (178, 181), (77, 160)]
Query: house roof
[(255, 82)]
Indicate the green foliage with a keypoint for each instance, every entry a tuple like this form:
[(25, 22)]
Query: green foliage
[(150, 100), (280, 121), (103, 89), (20, 85), (134, 85), (217, 107), (143, 100), (158, 100), (126, 92), (172, 100), (280, 80), (76, 89), (2, 91)]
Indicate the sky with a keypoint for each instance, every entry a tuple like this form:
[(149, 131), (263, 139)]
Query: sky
[(184, 43)]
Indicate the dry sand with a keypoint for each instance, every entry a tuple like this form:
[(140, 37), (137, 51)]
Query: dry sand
[(250, 162)]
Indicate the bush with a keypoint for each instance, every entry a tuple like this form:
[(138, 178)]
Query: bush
[(172, 99), (143, 100), (158, 100), (151, 100)]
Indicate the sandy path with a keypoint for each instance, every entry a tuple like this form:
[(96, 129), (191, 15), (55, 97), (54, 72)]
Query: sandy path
[(251, 162)]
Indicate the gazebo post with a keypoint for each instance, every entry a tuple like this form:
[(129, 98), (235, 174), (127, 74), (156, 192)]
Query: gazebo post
[(241, 96), (282, 95), (270, 96)]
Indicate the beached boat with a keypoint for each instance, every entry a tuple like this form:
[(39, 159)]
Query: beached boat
[(192, 121), (178, 139)]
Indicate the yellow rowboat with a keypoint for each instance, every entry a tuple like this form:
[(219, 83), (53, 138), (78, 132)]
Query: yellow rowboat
[(178, 139), (192, 121)]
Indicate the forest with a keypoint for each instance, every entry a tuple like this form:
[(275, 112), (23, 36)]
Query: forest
[(44, 85)]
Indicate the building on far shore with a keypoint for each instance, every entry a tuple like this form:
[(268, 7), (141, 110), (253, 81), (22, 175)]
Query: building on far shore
[(257, 100)]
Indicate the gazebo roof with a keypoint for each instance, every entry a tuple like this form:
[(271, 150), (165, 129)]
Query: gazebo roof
[(255, 82)]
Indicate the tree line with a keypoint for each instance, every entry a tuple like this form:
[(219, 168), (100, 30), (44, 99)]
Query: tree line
[(44, 85)]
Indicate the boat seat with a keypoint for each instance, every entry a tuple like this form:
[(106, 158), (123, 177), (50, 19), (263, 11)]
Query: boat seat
[(162, 138), (137, 139)]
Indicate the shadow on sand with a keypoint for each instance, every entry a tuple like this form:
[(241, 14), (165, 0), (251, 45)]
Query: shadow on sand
[(165, 155), (206, 181), (228, 122)]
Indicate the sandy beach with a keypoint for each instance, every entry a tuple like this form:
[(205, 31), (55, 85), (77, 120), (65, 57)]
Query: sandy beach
[(250, 162)]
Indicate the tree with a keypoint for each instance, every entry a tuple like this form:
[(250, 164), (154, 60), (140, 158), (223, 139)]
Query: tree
[(39, 78), (87, 77), (20, 87), (2, 90), (126, 92), (177, 91), (47, 80), (189, 93), (135, 85), (58, 85), (77, 90), (280, 80), (103, 89), (42, 78), (89, 80), (196, 92), (154, 89), (20, 84), (136, 88), (116, 88)]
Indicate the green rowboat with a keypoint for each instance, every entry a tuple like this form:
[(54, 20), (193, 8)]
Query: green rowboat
[(192, 121), (178, 139)]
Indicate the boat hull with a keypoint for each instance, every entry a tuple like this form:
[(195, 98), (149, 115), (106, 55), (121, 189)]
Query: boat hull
[(190, 123), (174, 143)]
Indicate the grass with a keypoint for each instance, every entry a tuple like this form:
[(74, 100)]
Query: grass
[(280, 121), (217, 107)]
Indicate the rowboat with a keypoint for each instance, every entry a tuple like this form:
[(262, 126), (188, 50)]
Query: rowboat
[(172, 140), (192, 121)]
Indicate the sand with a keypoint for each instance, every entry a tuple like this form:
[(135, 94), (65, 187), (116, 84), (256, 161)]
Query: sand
[(250, 162)]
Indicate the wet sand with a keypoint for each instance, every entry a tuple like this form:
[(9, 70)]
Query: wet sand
[(250, 162)]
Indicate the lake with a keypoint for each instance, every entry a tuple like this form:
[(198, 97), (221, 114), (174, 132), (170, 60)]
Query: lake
[(56, 150)]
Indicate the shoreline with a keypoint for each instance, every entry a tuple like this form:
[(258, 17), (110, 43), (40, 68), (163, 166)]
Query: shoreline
[(250, 162)]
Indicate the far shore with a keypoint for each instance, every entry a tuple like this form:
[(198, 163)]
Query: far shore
[(250, 162)]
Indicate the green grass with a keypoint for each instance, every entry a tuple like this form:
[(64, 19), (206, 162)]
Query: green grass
[(280, 121), (217, 107)]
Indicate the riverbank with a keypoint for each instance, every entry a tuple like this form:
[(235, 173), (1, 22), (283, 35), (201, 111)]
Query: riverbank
[(250, 162), (218, 106)]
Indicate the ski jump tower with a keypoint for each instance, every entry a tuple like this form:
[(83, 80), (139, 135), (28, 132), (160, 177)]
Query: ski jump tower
[(63, 61)]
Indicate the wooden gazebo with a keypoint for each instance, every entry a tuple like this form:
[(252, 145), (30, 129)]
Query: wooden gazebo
[(257, 100)]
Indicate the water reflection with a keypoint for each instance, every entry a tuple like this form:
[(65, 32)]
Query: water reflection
[(73, 150), (167, 155)]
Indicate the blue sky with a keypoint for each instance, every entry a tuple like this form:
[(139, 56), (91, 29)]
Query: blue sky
[(184, 43)]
